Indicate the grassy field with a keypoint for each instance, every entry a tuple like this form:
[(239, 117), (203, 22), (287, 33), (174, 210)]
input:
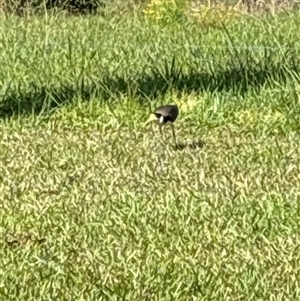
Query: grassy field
[(95, 206)]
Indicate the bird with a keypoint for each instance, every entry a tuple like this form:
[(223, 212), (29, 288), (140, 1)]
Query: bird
[(165, 115)]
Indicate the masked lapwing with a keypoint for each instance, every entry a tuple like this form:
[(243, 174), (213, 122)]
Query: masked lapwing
[(165, 115)]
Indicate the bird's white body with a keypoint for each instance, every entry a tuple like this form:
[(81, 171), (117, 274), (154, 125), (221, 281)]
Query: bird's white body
[(160, 121)]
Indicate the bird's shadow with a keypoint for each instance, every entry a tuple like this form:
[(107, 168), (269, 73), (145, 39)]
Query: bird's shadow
[(190, 144)]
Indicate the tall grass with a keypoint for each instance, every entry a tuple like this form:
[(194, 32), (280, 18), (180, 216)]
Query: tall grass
[(97, 207), (140, 57)]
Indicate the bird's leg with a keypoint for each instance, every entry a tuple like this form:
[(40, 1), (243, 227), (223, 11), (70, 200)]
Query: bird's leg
[(174, 136), (161, 132)]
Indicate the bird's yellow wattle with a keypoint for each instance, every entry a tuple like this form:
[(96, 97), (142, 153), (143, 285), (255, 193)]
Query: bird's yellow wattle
[(151, 118)]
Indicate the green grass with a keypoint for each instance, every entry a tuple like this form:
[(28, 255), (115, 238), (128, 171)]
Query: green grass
[(95, 206)]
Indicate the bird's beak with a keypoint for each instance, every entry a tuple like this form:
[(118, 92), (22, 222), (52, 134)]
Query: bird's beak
[(151, 118)]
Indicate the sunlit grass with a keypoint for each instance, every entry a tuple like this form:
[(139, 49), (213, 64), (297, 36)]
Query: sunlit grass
[(95, 206)]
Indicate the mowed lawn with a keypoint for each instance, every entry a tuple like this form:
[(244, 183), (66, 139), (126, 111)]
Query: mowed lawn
[(97, 206)]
